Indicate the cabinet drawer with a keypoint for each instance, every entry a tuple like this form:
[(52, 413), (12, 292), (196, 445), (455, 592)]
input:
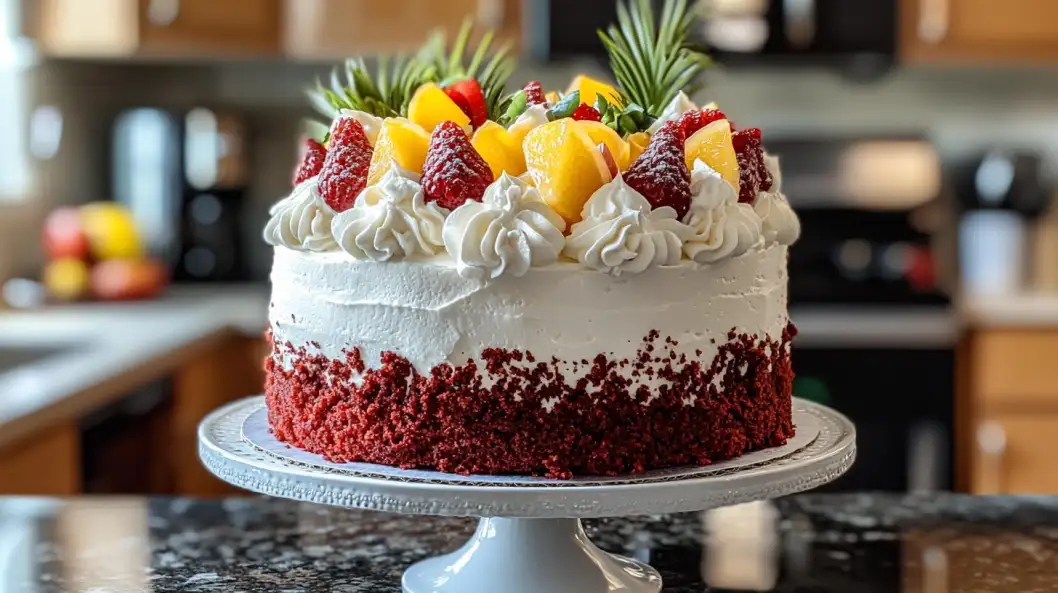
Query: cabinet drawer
[(1015, 367), (1014, 454)]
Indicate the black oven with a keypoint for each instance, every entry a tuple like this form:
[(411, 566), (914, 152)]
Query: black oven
[(856, 32), (876, 333)]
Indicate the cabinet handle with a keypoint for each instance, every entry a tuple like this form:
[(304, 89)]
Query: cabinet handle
[(992, 444), (933, 20), (162, 13), (491, 13)]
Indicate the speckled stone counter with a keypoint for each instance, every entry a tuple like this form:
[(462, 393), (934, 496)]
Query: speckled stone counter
[(861, 543)]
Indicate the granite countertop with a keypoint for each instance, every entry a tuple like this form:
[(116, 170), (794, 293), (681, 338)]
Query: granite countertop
[(97, 352), (808, 543)]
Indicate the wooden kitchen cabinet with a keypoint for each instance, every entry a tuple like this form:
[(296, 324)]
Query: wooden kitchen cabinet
[(1015, 454), (979, 30), (330, 29), (123, 28), (1007, 411)]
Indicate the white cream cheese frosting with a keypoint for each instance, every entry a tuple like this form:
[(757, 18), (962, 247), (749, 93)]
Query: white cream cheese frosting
[(679, 105), (426, 312), (721, 226), (302, 220), (508, 231), (780, 223), (391, 220), (620, 233)]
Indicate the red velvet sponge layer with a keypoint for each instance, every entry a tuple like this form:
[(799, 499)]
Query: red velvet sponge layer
[(518, 415)]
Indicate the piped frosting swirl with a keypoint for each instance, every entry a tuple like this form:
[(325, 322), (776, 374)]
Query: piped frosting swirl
[(391, 220), (619, 233), (302, 221), (510, 230)]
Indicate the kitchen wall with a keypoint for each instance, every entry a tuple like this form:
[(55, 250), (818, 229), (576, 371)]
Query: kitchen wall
[(962, 110)]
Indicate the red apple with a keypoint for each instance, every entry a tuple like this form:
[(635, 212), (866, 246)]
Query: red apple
[(607, 156), (64, 236), (128, 279)]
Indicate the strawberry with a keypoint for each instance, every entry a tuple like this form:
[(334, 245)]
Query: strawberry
[(753, 176), (694, 120), (660, 173), (459, 100), (534, 92), (344, 172), (454, 172), (312, 162), (587, 112), (473, 100)]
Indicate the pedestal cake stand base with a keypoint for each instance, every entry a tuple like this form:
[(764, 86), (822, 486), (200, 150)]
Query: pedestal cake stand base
[(530, 539)]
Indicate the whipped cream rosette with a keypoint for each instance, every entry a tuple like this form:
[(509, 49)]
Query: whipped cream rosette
[(301, 221), (391, 220), (508, 231), (721, 226), (620, 233), (780, 223)]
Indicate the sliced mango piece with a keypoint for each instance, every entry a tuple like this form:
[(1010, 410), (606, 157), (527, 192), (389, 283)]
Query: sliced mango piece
[(589, 88), (430, 106), (601, 133), (399, 141), (712, 144), (499, 149), (565, 166)]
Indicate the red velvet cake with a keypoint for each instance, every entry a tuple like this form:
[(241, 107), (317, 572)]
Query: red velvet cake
[(585, 283)]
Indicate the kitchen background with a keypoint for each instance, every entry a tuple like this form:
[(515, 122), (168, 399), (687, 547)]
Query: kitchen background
[(919, 141)]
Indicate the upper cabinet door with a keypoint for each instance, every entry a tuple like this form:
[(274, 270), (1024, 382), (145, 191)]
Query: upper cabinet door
[(121, 28), (329, 29), (979, 30), (210, 26)]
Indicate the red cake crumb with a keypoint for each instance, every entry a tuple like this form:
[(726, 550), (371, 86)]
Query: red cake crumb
[(451, 421)]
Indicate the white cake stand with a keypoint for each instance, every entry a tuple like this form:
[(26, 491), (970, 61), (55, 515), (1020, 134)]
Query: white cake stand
[(530, 539)]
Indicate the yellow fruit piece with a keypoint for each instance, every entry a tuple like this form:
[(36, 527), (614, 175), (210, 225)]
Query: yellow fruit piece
[(712, 144), (111, 231), (565, 166), (399, 140), (590, 87), (499, 149), (710, 106), (600, 133), (552, 97), (66, 279), (430, 106), (637, 143)]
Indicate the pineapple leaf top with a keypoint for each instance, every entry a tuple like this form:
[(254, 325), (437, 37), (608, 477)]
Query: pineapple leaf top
[(386, 90), (653, 61), (383, 91)]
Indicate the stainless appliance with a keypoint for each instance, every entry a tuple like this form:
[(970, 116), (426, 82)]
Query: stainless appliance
[(183, 175), (877, 336)]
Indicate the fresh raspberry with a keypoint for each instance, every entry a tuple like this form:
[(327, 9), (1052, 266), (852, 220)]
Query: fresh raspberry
[(753, 176), (473, 103), (660, 173), (310, 166), (454, 172), (344, 172), (534, 92), (694, 120), (587, 112)]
